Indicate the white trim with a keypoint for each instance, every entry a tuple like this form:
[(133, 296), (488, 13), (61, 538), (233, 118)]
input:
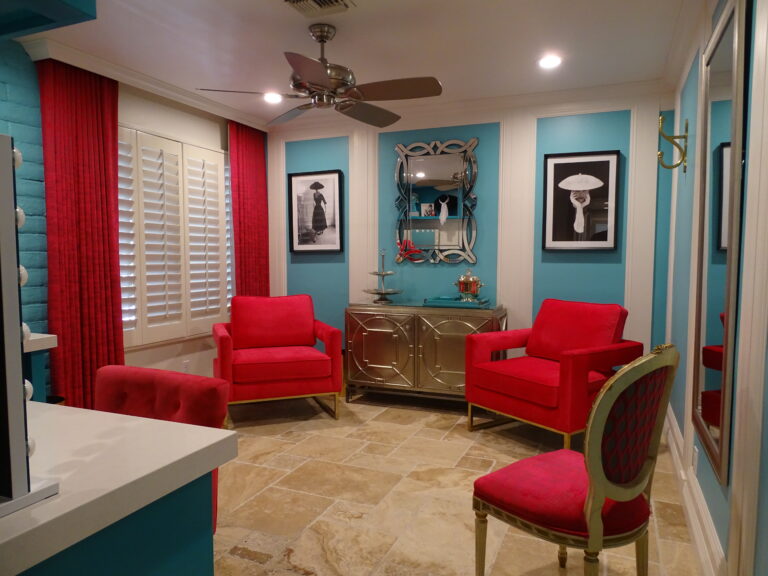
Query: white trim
[(641, 217), (278, 218), (700, 524), (42, 48), (517, 206), (749, 394), (363, 216)]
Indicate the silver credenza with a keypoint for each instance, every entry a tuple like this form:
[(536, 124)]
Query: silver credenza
[(412, 349)]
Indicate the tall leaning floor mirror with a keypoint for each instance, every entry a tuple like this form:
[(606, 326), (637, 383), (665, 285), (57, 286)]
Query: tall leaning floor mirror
[(719, 240)]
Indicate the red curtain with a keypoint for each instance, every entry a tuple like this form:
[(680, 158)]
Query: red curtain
[(79, 122), (250, 222)]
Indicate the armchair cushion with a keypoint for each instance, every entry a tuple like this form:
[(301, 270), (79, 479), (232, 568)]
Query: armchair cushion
[(562, 325), (534, 380), (263, 321), (279, 363), (557, 482)]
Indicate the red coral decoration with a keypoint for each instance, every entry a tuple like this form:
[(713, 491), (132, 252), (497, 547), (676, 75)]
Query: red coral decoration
[(407, 251)]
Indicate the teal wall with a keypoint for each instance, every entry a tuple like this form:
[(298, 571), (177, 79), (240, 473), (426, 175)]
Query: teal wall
[(682, 248), (20, 118), (661, 245), (594, 275), (419, 281), (172, 535), (325, 277)]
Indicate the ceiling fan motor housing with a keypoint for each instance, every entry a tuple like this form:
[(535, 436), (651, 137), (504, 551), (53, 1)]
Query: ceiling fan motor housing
[(340, 78)]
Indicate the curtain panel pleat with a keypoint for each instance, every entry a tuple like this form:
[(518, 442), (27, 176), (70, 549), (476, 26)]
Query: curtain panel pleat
[(250, 224), (79, 125)]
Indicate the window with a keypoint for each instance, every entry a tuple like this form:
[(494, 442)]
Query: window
[(174, 253)]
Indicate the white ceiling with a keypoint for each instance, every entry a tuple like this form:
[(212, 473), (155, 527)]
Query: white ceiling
[(476, 48)]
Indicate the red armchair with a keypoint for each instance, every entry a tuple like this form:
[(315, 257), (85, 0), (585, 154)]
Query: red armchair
[(164, 395), (267, 351), (571, 351)]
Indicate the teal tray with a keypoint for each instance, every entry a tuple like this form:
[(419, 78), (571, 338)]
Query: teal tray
[(454, 302)]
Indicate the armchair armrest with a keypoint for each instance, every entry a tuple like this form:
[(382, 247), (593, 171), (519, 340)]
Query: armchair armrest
[(480, 347), (331, 339), (222, 364), (605, 358), (575, 365)]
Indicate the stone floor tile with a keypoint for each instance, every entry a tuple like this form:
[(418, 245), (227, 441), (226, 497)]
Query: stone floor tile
[(670, 521), (279, 511), (326, 448)]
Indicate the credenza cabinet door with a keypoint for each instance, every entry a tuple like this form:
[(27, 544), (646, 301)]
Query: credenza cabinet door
[(380, 349)]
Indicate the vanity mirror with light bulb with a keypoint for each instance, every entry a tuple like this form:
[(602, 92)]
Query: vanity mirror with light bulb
[(719, 233)]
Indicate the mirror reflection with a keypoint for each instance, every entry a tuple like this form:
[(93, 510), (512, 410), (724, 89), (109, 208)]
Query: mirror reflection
[(436, 201), (713, 374)]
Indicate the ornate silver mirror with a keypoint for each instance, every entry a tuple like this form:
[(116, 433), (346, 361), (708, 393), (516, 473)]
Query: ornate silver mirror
[(436, 202), (719, 235)]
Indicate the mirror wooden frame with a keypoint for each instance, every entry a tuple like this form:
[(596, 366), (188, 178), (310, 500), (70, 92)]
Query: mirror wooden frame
[(717, 449)]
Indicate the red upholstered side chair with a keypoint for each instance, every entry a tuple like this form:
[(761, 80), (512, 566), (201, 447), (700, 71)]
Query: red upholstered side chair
[(267, 351), (599, 499), (712, 357), (570, 352), (164, 395)]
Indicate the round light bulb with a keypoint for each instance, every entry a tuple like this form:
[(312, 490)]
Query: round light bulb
[(550, 61), (273, 98)]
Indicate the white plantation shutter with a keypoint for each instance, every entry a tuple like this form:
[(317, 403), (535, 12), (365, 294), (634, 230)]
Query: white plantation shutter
[(128, 211), (159, 162), (228, 212), (205, 238)]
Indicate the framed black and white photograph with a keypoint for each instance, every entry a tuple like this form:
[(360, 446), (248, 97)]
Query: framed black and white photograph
[(580, 195), (315, 211), (725, 178)]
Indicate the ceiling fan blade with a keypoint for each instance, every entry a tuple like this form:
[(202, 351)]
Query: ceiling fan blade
[(309, 69), (367, 113), (290, 115), (250, 92), (400, 89)]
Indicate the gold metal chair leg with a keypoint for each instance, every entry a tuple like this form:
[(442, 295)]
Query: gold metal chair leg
[(562, 555), (481, 529), (641, 555), (567, 441), (228, 424), (469, 417), (591, 563), (331, 411)]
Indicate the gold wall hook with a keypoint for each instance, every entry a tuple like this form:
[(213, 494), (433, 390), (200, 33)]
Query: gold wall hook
[(683, 150)]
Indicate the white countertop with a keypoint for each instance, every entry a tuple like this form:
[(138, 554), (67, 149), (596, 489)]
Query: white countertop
[(108, 466)]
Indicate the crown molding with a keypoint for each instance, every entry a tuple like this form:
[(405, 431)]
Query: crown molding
[(42, 48), (417, 115)]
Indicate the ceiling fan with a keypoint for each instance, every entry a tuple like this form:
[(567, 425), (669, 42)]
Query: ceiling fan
[(329, 85)]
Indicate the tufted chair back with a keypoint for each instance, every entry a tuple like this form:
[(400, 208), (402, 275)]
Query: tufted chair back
[(162, 394)]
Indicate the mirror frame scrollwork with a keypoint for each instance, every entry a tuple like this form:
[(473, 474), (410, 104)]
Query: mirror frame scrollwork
[(468, 227), (716, 446)]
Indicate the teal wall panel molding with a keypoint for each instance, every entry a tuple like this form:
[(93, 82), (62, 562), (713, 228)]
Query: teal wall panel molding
[(589, 275), (426, 279), (324, 276), (661, 245)]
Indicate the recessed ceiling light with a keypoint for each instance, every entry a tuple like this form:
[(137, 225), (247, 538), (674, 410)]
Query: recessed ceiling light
[(550, 61), (273, 98)]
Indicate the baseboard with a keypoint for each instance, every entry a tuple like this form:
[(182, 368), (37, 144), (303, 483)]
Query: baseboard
[(702, 530)]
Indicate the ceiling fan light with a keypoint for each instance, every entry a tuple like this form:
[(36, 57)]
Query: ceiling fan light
[(550, 61), (273, 98)]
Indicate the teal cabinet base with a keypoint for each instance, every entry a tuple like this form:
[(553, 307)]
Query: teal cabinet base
[(172, 535)]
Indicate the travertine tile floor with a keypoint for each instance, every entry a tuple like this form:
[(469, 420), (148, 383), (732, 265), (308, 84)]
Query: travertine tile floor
[(387, 491)]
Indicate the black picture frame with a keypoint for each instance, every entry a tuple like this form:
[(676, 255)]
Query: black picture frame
[(724, 158), (595, 226), (315, 211)]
